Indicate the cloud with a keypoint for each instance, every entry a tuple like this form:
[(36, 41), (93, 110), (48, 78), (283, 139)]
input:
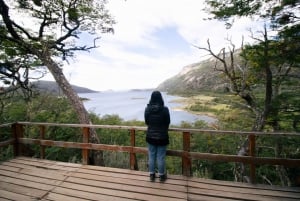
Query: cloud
[(152, 42)]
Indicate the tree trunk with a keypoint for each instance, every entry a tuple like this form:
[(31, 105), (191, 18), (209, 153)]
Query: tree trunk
[(96, 157)]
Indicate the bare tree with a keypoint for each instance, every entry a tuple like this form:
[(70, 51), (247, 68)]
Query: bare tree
[(237, 74), (250, 69)]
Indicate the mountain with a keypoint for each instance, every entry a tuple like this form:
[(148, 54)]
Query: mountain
[(52, 87), (195, 77)]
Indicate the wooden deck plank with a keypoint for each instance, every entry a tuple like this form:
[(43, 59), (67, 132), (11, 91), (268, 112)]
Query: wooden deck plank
[(3, 199), (100, 192), (7, 195), (35, 179), (129, 174), (243, 190), (243, 185), (23, 190), (192, 197), (236, 195), (25, 183), (70, 194), (45, 161), (47, 165), (24, 179), (44, 173), (130, 188), (130, 180), (9, 168), (31, 167)]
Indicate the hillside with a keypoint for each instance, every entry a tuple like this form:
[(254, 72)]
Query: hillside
[(194, 78), (52, 87)]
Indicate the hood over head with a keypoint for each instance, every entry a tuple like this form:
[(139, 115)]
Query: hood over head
[(156, 99)]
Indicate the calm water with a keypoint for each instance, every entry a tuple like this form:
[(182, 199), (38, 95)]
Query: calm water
[(130, 105)]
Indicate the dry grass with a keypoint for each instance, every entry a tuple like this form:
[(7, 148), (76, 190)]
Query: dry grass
[(201, 100)]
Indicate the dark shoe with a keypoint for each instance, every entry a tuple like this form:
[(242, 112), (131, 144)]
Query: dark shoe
[(152, 177), (163, 178)]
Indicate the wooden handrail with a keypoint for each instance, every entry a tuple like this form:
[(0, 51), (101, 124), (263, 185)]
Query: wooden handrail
[(18, 140), (142, 128)]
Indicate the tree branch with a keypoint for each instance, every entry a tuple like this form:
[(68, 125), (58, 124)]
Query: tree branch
[(8, 23)]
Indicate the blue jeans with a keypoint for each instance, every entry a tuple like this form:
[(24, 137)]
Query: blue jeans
[(157, 154)]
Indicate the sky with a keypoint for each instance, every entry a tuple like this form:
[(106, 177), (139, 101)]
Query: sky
[(152, 41)]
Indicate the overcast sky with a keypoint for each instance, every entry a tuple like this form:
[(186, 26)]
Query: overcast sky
[(153, 41)]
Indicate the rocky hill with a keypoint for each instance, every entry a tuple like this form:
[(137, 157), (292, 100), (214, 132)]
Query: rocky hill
[(52, 87), (195, 78)]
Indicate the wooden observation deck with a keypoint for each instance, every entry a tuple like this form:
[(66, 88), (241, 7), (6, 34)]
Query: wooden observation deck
[(24, 178), (37, 179)]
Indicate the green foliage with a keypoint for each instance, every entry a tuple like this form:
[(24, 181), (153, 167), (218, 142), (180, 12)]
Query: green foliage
[(73, 14), (6, 153), (226, 9), (282, 58), (280, 13)]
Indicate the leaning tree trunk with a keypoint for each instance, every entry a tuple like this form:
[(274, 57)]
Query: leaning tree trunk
[(96, 157), (44, 55)]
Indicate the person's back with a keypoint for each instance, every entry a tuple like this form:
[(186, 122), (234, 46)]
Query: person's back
[(157, 118)]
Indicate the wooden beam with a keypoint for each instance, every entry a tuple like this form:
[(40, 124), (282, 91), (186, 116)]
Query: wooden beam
[(17, 130), (42, 137), (7, 142), (247, 159), (133, 161), (252, 154), (85, 139), (186, 160)]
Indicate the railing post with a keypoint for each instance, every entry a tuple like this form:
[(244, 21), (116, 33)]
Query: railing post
[(42, 137), (186, 159), (252, 154), (133, 162), (17, 130), (85, 139)]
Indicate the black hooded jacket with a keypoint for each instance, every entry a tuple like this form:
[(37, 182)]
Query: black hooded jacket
[(157, 118)]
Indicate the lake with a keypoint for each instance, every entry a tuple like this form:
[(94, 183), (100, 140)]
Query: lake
[(130, 105)]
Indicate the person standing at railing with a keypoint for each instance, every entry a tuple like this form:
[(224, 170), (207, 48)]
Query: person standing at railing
[(157, 118)]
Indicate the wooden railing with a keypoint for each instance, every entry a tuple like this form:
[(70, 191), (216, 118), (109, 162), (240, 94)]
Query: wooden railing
[(18, 141)]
